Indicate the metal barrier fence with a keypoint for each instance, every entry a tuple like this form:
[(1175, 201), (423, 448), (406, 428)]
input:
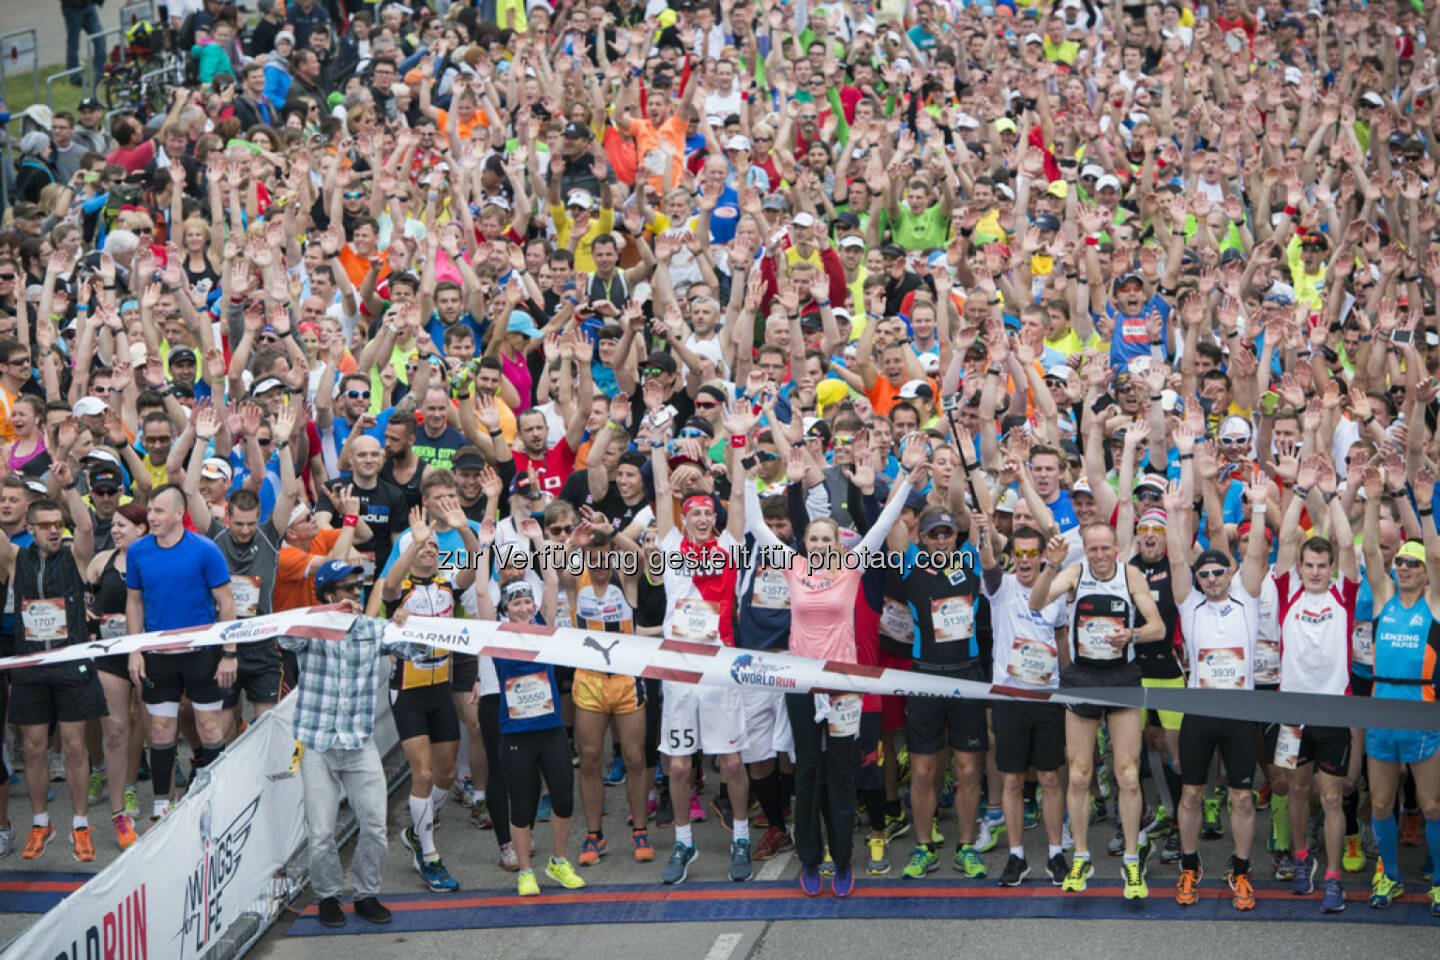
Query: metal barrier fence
[(17, 55)]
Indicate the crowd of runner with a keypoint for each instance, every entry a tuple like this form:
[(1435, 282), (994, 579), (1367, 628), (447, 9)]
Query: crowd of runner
[(1102, 333)]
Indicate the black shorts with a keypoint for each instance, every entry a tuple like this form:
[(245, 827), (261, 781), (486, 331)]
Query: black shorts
[(1235, 739), (464, 671), (1361, 686), (117, 665), (928, 719), (257, 673), (564, 679), (170, 676), (870, 774), (426, 712), (1077, 677), (289, 671), (1326, 747), (1028, 735), (64, 692)]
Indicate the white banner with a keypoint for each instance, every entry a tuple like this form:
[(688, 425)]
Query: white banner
[(212, 857)]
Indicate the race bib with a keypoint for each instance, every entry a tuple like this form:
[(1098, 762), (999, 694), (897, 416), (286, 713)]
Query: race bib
[(367, 564), (1362, 643), (1267, 662), (771, 590), (1132, 330), (112, 625), (1287, 746), (45, 620), (895, 620), (1092, 638), (844, 719), (1221, 668), (953, 618), (696, 619), (1032, 662), (246, 591), (529, 696)]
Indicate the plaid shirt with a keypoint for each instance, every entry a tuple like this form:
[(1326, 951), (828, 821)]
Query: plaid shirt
[(337, 684)]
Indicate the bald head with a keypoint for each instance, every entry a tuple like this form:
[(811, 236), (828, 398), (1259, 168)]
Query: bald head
[(367, 456)]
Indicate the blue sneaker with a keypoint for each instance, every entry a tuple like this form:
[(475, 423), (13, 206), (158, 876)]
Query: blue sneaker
[(843, 882), (544, 811), (678, 866), (1334, 900), (740, 868), (947, 792), (1304, 883), (810, 881), (616, 774), (436, 877), (1032, 813), (411, 842), (1384, 891)]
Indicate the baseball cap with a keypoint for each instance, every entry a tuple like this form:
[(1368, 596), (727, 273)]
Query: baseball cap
[(1234, 426), (1092, 171), (1128, 278), (1411, 549), (1059, 371), (661, 361), (802, 219), (332, 572), (1081, 485), (1170, 402), (580, 198), (522, 486), (738, 142), (90, 103), (468, 458), (106, 478), (1372, 99), (183, 355), (1213, 558), (577, 131), (522, 322), (102, 455), (774, 201), (1006, 503), (698, 423), (1005, 124), (1046, 222), (1151, 481), (916, 388), (853, 240), (941, 518), (1034, 38), (89, 407), (216, 468), (265, 386), (1108, 180)]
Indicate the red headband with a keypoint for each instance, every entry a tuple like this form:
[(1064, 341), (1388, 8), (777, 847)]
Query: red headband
[(698, 500)]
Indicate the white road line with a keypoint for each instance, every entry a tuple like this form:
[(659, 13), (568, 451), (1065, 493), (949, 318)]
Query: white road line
[(723, 946), (773, 869)]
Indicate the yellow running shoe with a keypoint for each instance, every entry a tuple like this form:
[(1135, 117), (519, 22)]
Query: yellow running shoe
[(564, 874), (1079, 871), (527, 885), (1135, 886), (1354, 858)]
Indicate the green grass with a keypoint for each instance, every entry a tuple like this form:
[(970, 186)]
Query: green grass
[(20, 92)]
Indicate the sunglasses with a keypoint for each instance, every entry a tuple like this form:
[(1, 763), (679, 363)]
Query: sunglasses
[(354, 194), (358, 394), (1145, 528), (263, 441), (1409, 563), (1026, 553), (706, 406), (105, 491), (356, 587), (1150, 494), (48, 524), (559, 530), (1212, 573), (7, 276), (692, 434), (1234, 442)]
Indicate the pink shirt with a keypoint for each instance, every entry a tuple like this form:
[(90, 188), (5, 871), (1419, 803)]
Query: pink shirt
[(518, 373), (822, 611)]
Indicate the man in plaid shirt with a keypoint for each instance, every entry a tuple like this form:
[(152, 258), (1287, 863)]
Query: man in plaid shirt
[(335, 721)]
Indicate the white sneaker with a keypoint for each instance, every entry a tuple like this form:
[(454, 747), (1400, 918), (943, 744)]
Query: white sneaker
[(7, 840), (1067, 842), (464, 792), (508, 860), (988, 834), (57, 767)]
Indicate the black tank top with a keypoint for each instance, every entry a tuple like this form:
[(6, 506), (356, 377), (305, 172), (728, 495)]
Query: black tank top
[(1157, 658), (107, 601), (649, 602)]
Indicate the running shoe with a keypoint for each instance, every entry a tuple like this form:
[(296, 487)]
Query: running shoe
[(480, 815), (810, 882), (97, 787), (142, 772), (564, 874), (591, 850), (1170, 852), (773, 842), (879, 864), (1135, 886), (989, 834), (740, 868), (937, 839), (664, 812), (1099, 813), (1187, 889), (615, 776), (968, 862), (697, 809), (1383, 890), (437, 878), (922, 861), (1067, 839), (1262, 796), (463, 790), (1116, 847), (1163, 824), (508, 860), (724, 812), (1080, 871), (526, 884), (947, 791), (1015, 872), (1435, 901), (57, 768), (1057, 869), (1334, 899), (84, 847), (545, 811), (1284, 865), (843, 883), (827, 863), (902, 764), (7, 840), (896, 826), (1244, 893), (38, 840), (644, 853), (1032, 813), (1303, 883), (678, 866), (125, 834), (132, 802), (1412, 829), (1210, 826), (1353, 860)]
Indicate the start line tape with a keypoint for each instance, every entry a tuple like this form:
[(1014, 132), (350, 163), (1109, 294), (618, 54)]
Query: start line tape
[(681, 661)]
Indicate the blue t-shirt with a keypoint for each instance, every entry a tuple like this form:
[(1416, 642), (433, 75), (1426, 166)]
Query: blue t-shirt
[(1129, 339), (725, 217), (448, 540), (176, 580), (436, 329), (529, 696)]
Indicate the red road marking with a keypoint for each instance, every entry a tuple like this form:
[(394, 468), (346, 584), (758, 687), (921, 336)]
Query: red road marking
[(40, 886)]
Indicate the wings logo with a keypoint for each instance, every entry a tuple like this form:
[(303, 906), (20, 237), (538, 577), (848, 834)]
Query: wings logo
[(749, 672), (219, 864)]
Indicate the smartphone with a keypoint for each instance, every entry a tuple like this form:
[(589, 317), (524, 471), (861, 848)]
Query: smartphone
[(1403, 338), (1269, 403)]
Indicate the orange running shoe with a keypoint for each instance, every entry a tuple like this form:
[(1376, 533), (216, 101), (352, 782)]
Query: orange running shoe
[(125, 833), (1412, 830), (36, 843), (1244, 892), (84, 848), (1187, 890)]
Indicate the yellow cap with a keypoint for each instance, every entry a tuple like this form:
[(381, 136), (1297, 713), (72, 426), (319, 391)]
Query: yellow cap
[(666, 18), (830, 390), (1059, 189), (1413, 549)]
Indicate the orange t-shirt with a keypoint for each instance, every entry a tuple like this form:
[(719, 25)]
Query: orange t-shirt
[(294, 586), (357, 266), (648, 136), (7, 403), (477, 119)]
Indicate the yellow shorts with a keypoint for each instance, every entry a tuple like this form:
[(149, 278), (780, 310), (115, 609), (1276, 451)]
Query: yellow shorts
[(1169, 719), (608, 693)]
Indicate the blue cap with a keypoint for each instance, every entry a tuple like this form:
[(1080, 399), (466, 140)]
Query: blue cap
[(522, 322), (332, 572)]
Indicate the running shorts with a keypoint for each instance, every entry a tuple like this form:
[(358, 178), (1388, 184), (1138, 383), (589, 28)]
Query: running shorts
[(426, 712), (1028, 735), (1167, 719), (608, 693), (64, 692), (1200, 737), (1402, 746), (695, 717), (170, 676), (1076, 678), (767, 726)]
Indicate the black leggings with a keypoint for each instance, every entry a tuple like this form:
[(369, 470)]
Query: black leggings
[(497, 798), (653, 701), (825, 770), (527, 755)]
